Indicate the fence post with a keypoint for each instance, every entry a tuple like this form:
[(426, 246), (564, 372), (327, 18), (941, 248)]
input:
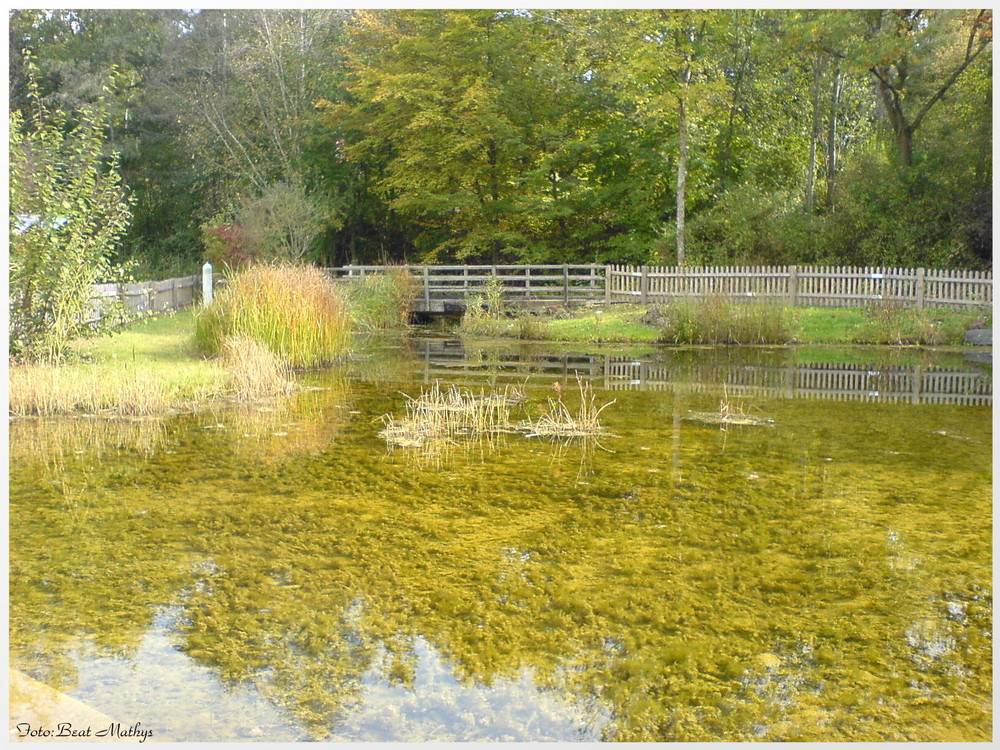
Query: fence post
[(565, 284), (427, 289), (793, 286), (920, 288), (607, 284), (206, 284), (644, 285)]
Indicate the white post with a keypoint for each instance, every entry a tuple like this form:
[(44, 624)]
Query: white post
[(206, 284)]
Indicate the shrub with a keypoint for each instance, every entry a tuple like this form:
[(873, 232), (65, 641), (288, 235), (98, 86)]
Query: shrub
[(280, 223), (297, 312), (382, 301), (892, 323), (719, 320), (68, 213)]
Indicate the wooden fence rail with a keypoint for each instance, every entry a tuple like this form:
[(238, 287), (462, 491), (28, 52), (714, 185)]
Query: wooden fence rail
[(450, 287), (815, 286), (147, 296)]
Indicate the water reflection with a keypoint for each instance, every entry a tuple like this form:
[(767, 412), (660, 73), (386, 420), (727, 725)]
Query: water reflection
[(912, 377), (827, 578)]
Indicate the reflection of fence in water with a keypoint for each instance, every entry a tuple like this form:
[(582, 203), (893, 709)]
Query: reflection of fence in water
[(914, 384)]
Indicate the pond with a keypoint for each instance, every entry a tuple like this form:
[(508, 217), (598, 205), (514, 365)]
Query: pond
[(279, 572)]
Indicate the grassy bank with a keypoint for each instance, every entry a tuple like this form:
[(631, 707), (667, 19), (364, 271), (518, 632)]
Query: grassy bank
[(149, 368), (266, 321), (707, 323)]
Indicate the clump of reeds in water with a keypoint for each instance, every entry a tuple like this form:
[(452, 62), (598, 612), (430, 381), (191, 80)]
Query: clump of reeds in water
[(557, 421), (439, 418), (436, 418), (729, 413)]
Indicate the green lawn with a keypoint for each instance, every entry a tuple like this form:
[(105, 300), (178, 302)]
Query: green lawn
[(810, 325), (161, 347)]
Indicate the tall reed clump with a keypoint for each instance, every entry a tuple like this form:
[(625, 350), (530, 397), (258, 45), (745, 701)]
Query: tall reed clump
[(297, 312), (719, 320), (438, 417), (558, 421), (382, 301)]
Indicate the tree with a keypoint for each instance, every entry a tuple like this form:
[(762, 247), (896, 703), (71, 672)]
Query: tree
[(68, 212), (281, 223), (668, 75)]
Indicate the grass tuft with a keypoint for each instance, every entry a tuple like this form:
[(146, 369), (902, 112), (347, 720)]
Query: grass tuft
[(297, 312), (382, 301), (255, 370), (718, 320)]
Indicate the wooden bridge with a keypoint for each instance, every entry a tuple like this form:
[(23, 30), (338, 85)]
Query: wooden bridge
[(449, 289)]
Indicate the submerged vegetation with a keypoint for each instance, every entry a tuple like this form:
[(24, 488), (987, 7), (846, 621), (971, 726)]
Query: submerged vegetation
[(826, 580)]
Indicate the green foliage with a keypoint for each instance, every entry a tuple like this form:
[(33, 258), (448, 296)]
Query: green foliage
[(70, 193), (280, 224), (485, 312), (536, 136), (297, 312), (382, 301)]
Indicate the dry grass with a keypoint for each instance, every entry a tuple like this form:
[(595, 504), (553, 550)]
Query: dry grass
[(44, 390), (437, 418), (255, 370), (729, 413), (559, 422)]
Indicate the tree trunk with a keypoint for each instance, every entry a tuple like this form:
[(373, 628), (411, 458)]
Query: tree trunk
[(814, 137), (831, 140), (682, 158)]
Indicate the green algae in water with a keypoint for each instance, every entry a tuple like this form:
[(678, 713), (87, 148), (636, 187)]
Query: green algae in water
[(826, 578)]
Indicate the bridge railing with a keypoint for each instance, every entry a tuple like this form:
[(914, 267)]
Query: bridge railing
[(560, 284)]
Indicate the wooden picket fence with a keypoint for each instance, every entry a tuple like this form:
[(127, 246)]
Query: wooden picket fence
[(449, 288), (816, 286), (147, 296)]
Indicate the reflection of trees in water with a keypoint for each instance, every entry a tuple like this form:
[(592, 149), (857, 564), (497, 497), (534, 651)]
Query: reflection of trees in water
[(697, 604)]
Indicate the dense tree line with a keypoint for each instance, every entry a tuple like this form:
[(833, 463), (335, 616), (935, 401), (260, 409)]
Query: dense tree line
[(722, 136)]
